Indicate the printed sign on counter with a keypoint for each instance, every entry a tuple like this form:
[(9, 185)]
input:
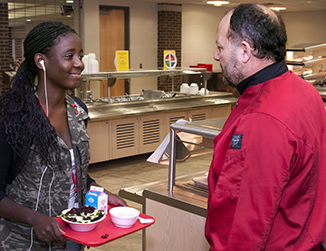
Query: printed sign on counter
[(122, 60), (170, 60)]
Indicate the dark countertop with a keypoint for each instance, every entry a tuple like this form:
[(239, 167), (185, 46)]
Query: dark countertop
[(102, 112), (180, 197), (185, 193)]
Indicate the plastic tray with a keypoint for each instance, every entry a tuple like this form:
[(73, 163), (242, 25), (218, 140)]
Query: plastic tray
[(96, 237)]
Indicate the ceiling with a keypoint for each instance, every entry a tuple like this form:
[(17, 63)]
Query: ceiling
[(291, 5), (19, 10)]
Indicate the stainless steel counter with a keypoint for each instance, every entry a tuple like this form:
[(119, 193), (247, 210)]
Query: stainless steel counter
[(209, 128), (102, 111), (172, 191), (180, 198), (322, 91)]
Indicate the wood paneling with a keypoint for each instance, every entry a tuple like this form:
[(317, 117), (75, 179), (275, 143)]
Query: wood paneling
[(112, 38), (99, 144), (174, 229)]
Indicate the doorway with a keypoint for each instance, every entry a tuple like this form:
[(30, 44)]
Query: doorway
[(114, 35)]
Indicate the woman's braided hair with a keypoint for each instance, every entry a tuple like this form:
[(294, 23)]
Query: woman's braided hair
[(21, 116)]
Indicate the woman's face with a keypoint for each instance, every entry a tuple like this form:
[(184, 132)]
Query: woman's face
[(64, 63)]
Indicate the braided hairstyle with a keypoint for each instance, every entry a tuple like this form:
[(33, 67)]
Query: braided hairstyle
[(21, 116)]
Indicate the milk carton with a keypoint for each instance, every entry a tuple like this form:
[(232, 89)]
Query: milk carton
[(96, 197)]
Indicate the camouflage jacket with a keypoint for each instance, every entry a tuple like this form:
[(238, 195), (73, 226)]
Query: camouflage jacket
[(55, 185)]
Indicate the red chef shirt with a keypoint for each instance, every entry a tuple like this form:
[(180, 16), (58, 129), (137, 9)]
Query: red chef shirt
[(267, 180)]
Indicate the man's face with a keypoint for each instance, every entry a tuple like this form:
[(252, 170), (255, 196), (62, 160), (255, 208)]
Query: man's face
[(227, 53)]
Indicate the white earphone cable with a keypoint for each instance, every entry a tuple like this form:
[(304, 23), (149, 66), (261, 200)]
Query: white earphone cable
[(46, 95), (37, 201), (50, 208), (53, 175)]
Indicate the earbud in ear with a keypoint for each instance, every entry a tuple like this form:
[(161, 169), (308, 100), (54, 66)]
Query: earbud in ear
[(42, 63)]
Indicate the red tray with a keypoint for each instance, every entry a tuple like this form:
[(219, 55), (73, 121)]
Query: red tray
[(94, 238)]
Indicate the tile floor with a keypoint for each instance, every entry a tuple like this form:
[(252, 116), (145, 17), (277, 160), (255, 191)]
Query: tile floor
[(131, 171)]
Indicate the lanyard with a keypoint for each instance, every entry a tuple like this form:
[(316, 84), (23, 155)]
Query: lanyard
[(74, 180), (43, 109), (73, 104)]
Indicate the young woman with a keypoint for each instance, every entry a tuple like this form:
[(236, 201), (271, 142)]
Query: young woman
[(44, 145)]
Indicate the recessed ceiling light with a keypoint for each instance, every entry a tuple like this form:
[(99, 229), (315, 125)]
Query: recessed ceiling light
[(69, 1), (218, 3), (278, 8)]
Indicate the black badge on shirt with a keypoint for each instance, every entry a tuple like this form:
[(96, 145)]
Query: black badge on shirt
[(236, 142)]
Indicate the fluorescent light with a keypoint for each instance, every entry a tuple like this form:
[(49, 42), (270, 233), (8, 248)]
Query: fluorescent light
[(28, 20), (69, 1), (278, 8), (218, 3)]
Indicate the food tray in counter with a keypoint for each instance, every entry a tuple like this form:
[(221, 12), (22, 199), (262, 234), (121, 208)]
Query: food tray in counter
[(191, 186), (105, 231), (201, 181)]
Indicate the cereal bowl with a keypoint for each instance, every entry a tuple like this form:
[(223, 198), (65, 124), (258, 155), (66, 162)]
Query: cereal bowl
[(82, 219), (124, 217)]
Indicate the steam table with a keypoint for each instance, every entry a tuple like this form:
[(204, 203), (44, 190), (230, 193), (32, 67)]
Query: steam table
[(180, 213)]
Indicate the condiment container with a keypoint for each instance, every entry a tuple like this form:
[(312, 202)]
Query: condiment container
[(184, 88), (193, 88), (203, 92)]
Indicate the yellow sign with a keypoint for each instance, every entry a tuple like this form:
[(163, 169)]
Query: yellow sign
[(122, 59), (170, 60)]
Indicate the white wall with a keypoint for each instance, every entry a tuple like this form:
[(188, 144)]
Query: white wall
[(200, 23), (143, 43), (143, 36), (305, 27), (89, 27), (199, 29)]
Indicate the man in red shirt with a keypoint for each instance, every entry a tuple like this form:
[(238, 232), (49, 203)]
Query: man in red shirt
[(267, 188)]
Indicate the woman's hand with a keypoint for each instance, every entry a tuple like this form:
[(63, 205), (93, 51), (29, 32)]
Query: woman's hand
[(47, 228), (113, 199)]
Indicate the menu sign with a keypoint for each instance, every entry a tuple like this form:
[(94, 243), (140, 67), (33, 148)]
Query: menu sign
[(122, 60)]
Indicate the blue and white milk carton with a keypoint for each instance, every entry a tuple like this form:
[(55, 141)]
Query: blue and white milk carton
[(96, 197)]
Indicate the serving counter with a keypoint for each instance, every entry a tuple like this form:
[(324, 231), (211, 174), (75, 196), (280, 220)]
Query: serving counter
[(178, 204), (163, 74), (138, 127), (103, 111)]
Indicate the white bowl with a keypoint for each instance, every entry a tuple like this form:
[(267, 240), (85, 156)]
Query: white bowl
[(124, 217), (83, 227), (80, 215)]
